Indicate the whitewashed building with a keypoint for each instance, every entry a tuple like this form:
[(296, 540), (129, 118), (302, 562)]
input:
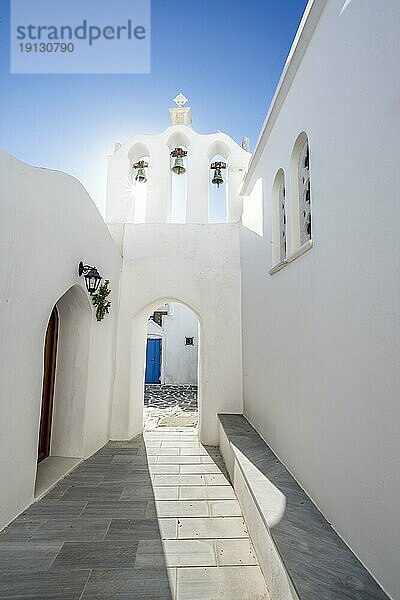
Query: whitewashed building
[(292, 270), (176, 354)]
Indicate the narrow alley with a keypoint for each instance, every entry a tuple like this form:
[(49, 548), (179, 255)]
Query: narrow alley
[(154, 517)]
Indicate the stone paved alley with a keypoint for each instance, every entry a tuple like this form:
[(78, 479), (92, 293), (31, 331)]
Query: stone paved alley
[(151, 518), (170, 406)]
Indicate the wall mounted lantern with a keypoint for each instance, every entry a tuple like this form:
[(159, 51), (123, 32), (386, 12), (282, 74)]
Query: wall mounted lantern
[(140, 168), (178, 167), (92, 277), (217, 178)]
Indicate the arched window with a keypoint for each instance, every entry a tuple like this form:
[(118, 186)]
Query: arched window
[(300, 197), (279, 220), (304, 193)]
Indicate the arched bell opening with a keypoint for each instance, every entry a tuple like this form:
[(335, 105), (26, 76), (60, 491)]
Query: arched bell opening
[(139, 180), (179, 179), (218, 190), (139, 163)]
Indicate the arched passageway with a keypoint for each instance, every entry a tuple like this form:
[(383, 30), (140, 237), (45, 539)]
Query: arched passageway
[(171, 368), (170, 365)]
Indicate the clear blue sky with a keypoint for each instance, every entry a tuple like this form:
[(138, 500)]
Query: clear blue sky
[(225, 56)]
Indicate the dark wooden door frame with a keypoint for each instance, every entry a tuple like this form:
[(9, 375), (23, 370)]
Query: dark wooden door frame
[(49, 376)]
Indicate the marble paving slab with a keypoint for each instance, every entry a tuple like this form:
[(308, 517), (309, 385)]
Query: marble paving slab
[(154, 517)]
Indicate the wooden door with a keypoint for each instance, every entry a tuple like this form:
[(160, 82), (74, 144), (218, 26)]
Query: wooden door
[(49, 375)]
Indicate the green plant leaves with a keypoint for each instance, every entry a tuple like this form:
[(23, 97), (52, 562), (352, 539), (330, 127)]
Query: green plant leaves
[(100, 301)]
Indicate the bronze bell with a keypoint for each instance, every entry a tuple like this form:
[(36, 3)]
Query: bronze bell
[(178, 167), (217, 179), (141, 175), (140, 168)]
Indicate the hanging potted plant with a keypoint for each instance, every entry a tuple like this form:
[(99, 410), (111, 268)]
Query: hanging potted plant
[(100, 301)]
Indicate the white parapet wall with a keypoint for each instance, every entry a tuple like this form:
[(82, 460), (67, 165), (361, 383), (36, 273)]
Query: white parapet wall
[(321, 334), (49, 224)]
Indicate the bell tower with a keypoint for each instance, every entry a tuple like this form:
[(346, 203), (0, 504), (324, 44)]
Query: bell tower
[(178, 176)]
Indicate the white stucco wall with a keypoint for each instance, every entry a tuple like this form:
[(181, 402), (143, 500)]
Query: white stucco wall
[(321, 337), (48, 224), (197, 265), (180, 361)]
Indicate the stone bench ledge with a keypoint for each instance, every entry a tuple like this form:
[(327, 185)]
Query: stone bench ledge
[(301, 555)]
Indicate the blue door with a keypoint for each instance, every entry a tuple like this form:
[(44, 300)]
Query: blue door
[(153, 360)]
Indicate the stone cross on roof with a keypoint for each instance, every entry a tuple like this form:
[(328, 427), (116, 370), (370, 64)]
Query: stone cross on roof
[(181, 114), (180, 100)]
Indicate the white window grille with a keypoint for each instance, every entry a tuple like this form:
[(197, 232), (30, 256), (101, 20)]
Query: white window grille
[(282, 220)]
